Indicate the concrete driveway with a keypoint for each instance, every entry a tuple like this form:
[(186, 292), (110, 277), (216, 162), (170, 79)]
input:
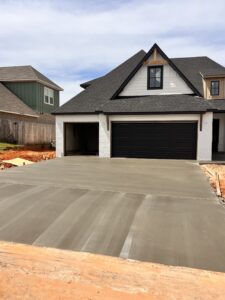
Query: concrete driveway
[(152, 210)]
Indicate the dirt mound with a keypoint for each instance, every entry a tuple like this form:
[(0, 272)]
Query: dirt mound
[(32, 155), (28, 272)]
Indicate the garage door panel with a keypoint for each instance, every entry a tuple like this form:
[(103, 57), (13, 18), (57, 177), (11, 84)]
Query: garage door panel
[(154, 140)]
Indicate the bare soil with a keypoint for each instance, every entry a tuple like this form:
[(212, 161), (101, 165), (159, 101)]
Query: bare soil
[(34, 155), (28, 272), (212, 170)]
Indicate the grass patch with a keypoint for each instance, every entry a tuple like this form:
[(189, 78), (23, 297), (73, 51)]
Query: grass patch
[(7, 146)]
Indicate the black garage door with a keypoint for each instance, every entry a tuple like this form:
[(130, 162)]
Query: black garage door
[(176, 140)]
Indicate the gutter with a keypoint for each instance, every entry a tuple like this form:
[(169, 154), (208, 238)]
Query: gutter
[(137, 113), (212, 76), (157, 113), (74, 113)]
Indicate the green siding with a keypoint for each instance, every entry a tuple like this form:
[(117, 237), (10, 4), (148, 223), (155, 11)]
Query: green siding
[(32, 93), (26, 91)]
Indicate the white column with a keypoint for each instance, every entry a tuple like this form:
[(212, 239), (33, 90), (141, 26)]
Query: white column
[(204, 151), (104, 137), (59, 137)]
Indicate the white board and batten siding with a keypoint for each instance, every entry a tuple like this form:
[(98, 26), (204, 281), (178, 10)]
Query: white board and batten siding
[(172, 83)]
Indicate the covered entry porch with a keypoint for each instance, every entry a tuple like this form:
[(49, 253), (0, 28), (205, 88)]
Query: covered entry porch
[(218, 137)]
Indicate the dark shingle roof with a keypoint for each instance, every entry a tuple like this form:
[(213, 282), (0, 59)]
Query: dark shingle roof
[(25, 73), (218, 104), (10, 103), (97, 97), (92, 99), (193, 67), (157, 104), (90, 82)]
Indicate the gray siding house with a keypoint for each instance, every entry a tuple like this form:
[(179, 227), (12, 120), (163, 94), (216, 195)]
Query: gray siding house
[(27, 99)]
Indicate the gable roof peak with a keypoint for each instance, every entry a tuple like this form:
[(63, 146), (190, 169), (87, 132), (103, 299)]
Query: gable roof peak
[(145, 58)]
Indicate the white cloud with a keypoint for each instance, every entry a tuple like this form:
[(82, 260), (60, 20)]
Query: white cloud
[(68, 42), (71, 88)]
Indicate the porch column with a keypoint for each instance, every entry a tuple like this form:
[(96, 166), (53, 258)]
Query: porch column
[(59, 136), (204, 148), (104, 136)]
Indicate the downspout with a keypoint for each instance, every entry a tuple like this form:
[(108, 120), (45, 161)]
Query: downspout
[(200, 121)]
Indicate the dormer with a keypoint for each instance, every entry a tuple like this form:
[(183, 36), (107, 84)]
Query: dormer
[(213, 86)]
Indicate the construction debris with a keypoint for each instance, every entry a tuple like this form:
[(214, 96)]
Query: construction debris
[(18, 162), (28, 272), (216, 174), (22, 156)]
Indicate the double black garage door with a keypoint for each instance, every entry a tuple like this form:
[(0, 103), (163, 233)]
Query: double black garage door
[(174, 140)]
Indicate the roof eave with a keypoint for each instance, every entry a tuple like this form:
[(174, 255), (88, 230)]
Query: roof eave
[(20, 114), (84, 86), (136, 112), (58, 88), (213, 76), (156, 113), (74, 113)]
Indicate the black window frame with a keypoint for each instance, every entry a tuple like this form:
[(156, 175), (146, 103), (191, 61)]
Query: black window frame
[(149, 77), (211, 89)]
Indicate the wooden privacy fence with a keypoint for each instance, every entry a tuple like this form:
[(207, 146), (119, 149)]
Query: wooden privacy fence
[(26, 130)]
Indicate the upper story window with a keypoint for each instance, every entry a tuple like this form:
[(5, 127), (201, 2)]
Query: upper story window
[(155, 77), (48, 96), (215, 88)]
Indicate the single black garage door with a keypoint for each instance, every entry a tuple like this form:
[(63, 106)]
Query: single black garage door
[(175, 140)]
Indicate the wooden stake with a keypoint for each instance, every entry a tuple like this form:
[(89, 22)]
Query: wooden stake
[(211, 173), (218, 190)]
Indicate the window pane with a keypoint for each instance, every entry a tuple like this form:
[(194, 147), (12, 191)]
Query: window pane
[(215, 86), (152, 82), (158, 82), (155, 74), (51, 92), (152, 72), (51, 100), (46, 99), (158, 72)]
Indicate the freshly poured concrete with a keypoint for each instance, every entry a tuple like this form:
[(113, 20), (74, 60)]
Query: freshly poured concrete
[(151, 210)]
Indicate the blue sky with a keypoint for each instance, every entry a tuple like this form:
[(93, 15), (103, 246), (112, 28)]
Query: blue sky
[(74, 41)]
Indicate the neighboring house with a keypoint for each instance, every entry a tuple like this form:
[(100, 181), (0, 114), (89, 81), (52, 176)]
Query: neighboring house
[(150, 106), (27, 99)]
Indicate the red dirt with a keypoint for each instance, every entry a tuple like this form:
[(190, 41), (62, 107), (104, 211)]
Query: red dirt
[(28, 272), (34, 155), (216, 169)]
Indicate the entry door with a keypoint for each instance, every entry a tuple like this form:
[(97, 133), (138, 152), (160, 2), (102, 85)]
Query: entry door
[(215, 142)]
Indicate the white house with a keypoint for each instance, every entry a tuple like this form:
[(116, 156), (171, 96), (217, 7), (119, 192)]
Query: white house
[(150, 106)]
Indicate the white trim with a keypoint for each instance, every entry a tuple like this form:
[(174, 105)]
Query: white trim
[(50, 94), (48, 102)]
